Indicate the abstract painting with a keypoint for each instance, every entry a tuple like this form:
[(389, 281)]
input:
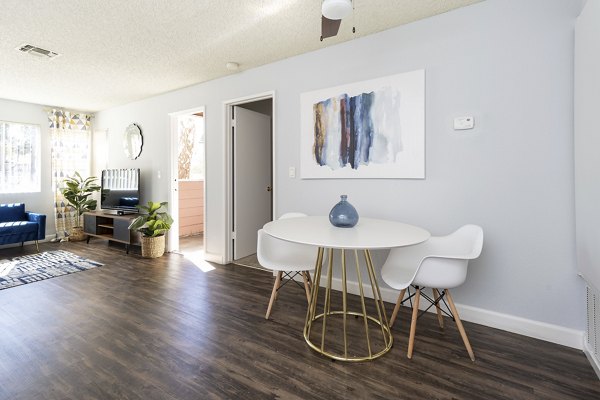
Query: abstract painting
[(369, 129)]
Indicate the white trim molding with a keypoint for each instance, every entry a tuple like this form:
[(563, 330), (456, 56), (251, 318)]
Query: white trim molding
[(173, 234), (46, 238), (227, 217), (510, 323), (523, 326), (214, 257)]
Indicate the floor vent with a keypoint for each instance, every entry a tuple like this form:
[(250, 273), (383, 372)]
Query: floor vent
[(37, 51), (593, 327)]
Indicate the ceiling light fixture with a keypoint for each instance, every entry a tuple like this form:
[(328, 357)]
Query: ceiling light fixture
[(232, 66), (336, 9)]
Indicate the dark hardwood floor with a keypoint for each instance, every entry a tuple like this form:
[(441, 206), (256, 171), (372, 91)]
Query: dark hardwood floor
[(164, 329)]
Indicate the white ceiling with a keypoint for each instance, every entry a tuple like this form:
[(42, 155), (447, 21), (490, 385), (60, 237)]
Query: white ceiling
[(113, 52)]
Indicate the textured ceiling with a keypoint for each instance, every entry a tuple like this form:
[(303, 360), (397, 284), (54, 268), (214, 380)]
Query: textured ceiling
[(113, 52)]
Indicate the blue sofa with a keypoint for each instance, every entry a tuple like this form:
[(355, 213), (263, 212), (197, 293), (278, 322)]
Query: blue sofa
[(18, 225)]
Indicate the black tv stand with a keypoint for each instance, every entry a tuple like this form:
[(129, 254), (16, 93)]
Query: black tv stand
[(111, 227)]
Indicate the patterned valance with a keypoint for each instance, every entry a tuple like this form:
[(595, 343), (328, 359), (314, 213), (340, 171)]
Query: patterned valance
[(62, 119)]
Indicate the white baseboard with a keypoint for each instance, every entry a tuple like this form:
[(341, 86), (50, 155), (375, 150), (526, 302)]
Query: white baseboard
[(591, 357), (30, 242), (213, 257), (522, 326)]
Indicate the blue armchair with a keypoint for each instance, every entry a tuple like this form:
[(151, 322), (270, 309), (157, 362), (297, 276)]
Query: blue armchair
[(18, 225)]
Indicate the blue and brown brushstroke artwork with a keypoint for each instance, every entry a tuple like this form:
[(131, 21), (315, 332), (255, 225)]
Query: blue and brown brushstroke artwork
[(351, 131)]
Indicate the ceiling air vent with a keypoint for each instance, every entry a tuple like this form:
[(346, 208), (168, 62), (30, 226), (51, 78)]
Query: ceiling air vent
[(37, 51)]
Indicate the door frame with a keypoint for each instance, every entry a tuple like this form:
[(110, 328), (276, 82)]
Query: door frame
[(173, 236), (228, 164)]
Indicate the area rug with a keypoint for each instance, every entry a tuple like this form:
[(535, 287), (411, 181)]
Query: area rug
[(37, 267)]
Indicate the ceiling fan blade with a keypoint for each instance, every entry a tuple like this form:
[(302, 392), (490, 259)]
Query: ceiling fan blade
[(329, 27)]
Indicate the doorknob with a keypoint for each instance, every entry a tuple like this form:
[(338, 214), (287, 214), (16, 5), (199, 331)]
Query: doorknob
[(269, 188)]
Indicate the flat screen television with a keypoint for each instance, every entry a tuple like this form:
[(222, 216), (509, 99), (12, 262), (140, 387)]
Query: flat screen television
[(120, 189)]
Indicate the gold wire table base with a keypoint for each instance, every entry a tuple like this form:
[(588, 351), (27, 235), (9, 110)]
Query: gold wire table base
[(380, 319)]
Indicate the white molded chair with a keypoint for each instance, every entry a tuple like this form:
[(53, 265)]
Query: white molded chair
[(439, 263), (289, 259)]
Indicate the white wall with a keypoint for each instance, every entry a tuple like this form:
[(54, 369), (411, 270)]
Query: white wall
[(507, 63), (587, 142), (42, 202), (587, 166)]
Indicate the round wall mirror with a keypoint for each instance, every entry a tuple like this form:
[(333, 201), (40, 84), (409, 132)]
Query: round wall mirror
[(133, 141)]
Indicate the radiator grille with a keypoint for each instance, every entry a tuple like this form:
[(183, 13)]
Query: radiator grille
[(37, 51), (593, 321)]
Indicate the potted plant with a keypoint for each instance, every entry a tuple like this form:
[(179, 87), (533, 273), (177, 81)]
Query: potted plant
[(153, 225), (77, 192)]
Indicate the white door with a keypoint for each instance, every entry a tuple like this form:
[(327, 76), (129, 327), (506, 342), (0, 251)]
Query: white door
[(251, 178)]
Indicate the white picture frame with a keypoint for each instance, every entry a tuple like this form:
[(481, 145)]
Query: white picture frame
[(384, 129)]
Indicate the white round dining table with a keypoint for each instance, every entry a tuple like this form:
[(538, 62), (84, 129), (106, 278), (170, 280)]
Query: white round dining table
[(369, 234)]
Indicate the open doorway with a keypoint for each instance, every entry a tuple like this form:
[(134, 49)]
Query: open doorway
[(250, 175), (188, 183)]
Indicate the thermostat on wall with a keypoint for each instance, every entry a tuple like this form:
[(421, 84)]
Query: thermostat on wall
[(462, 123)]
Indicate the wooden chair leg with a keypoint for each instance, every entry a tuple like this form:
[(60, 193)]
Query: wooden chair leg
[(459, 324), (397, 308), (280, 277), (437, 298), (306, 285), (274, 293), (413, 323)]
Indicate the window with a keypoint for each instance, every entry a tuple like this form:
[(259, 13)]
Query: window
[(19, 158)]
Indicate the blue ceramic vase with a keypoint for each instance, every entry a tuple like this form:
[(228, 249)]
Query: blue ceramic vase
[(343, 214)]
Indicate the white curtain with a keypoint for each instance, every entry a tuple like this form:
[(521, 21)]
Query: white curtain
[(71, 152)]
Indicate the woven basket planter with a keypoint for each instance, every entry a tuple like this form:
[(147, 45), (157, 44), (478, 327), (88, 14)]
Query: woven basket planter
[(76, 234), (153, 247)]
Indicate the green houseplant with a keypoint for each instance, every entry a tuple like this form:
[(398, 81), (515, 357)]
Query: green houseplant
[(77, 192), (153, 225)]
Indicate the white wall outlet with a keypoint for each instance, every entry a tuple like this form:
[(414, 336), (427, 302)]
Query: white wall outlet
[(292, 172), (158, 174), (462, 123)]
